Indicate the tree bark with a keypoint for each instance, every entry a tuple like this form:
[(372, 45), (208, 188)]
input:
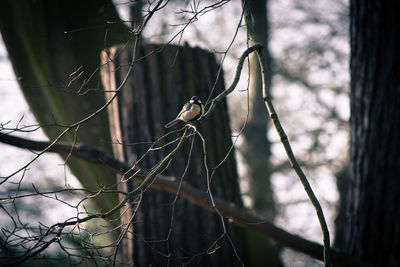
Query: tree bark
[(161, 82), (373, 209)]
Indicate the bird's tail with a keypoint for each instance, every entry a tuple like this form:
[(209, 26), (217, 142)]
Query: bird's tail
[(171, 123)]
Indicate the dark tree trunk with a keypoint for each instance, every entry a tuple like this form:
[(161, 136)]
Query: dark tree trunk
[(373, 213), (154, 93), (343, 179)]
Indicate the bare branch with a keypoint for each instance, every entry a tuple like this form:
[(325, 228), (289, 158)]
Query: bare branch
[(169, 184), (256, 47), (295, 165)]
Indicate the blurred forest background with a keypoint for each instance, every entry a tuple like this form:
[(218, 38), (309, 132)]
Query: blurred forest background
[(308, 58)]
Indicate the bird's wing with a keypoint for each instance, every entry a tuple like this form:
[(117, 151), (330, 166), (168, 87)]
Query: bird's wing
[(192, 113), (185, 108)]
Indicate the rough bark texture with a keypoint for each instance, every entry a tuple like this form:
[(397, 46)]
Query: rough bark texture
[(45, 58), (154, 93), (343, 180), (373, 213)]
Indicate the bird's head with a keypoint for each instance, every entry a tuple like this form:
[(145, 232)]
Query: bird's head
[(195, 99)]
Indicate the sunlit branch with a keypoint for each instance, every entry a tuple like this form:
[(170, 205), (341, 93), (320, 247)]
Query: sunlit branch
[(284, 139), (256, 47), (293, 162)]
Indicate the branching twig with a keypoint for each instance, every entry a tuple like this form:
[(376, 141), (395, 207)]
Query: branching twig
[(95, 113)]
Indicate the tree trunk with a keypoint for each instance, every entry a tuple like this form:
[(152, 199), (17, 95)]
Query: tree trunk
[(161, 82), (373, 209)]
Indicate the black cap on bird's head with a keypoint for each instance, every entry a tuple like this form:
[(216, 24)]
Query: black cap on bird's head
[(195, 99)]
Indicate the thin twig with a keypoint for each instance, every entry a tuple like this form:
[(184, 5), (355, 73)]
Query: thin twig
[(94, 114)]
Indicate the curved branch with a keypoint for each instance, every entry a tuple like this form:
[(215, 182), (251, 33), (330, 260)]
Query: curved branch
[(295, 165), (284, 139), (169, 184), (256, 47)]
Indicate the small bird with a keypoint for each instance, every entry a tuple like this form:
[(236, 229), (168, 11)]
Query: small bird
[(191, 111)]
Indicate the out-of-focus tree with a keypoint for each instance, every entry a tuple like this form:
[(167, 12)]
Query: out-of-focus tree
[(256, 148), (55, 48)]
